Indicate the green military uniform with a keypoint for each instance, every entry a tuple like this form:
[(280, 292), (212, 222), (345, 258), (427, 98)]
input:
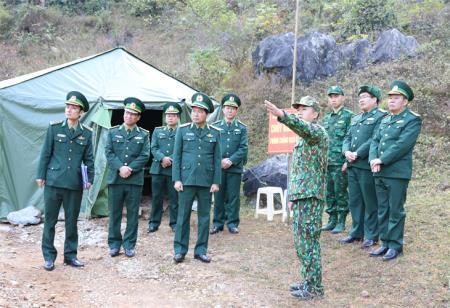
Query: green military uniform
[(336, 125), (63, 152), (130, 149), (393, 144), (196, 163), (361, 187), (234, 146), (307, 187), (163, 141)]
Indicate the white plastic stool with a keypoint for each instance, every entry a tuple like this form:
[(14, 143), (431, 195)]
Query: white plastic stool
[(269, 191)]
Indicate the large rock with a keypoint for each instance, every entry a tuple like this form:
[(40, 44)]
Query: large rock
[(392, 44), (275, 53), (319, 56), (355, 55), (271, 172), (27, 216)]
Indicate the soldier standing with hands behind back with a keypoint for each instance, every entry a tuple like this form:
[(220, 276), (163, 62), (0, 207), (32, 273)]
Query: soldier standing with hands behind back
[(163, 141), (336, 123), (67, 145), (307, 186), (234, 146), (127, 151)]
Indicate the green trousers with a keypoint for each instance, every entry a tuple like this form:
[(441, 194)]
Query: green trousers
[(118, 195), (362, 202), (307, 223), (337, 196), (71, 201), (160, 185), (391, 195), (182, 230), (227, 201)]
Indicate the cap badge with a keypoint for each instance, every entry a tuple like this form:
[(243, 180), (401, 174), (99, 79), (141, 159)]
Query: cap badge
[(133, 105), (232, 98), (199, 98)]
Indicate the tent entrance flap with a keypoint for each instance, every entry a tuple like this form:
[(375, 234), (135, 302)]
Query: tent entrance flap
[(150, 119)]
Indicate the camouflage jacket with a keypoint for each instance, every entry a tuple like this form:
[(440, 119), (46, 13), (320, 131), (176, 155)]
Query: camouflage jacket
[(307, 177), (337, 125)]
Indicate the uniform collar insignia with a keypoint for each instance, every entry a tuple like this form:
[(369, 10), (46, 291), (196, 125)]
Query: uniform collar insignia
[(370, 118), (209, 135), (119, 136), (81, 138), (400, 121)]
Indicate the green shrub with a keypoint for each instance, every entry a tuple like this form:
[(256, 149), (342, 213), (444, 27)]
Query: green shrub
[(208, 69), (6, 20)]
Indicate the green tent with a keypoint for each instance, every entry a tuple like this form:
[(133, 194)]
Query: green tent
[(28, 103)]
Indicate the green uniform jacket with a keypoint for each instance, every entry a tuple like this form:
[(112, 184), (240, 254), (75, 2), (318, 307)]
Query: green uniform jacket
[(62, 155), (394, 142), (196, 156), (132, 150), (234, 144), (307, 177), (359, 136), (163, 141), (336, 124)]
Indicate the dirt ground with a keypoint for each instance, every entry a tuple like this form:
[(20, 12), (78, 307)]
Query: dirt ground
[(251, 269)]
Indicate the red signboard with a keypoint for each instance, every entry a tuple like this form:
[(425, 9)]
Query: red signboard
[(281, 138)]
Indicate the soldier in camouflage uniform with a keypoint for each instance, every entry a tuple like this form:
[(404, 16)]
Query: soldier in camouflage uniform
[(307, 186), (337, 124)]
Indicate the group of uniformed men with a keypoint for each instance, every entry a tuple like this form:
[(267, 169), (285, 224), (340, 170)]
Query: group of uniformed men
[(190, 161), (371, 153), (359, 163)]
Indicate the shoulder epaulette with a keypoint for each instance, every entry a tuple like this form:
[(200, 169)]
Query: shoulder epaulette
[(217, 122), (357, 114), (242, 123), (159, 127), (87, 127), (56, 122), (413, 113), (145, 130), (114, 126), (382, 110), (216, 128), (185, 124)]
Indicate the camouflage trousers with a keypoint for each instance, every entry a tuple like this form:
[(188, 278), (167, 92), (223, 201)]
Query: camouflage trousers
[(306, 223), (337, 195)]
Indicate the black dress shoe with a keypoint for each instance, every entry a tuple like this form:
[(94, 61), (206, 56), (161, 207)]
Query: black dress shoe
[(368, 243), (391, 254), (348, 239), (233, 230), (114, 252), (74, 262), (203, 258), (215, 230), (49, 265), (378, 252), (178, 258), (129, 253), (152, 229), (299, 285)]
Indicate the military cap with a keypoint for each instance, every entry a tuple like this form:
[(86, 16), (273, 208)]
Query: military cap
[(172, 108), (372, 90), (202, 100), (335, 90), (401, 87), (232, 100), (308, 101), (77, 99), (134, 105)]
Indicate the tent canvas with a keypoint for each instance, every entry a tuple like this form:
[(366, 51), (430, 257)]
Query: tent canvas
[(28, 103)]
